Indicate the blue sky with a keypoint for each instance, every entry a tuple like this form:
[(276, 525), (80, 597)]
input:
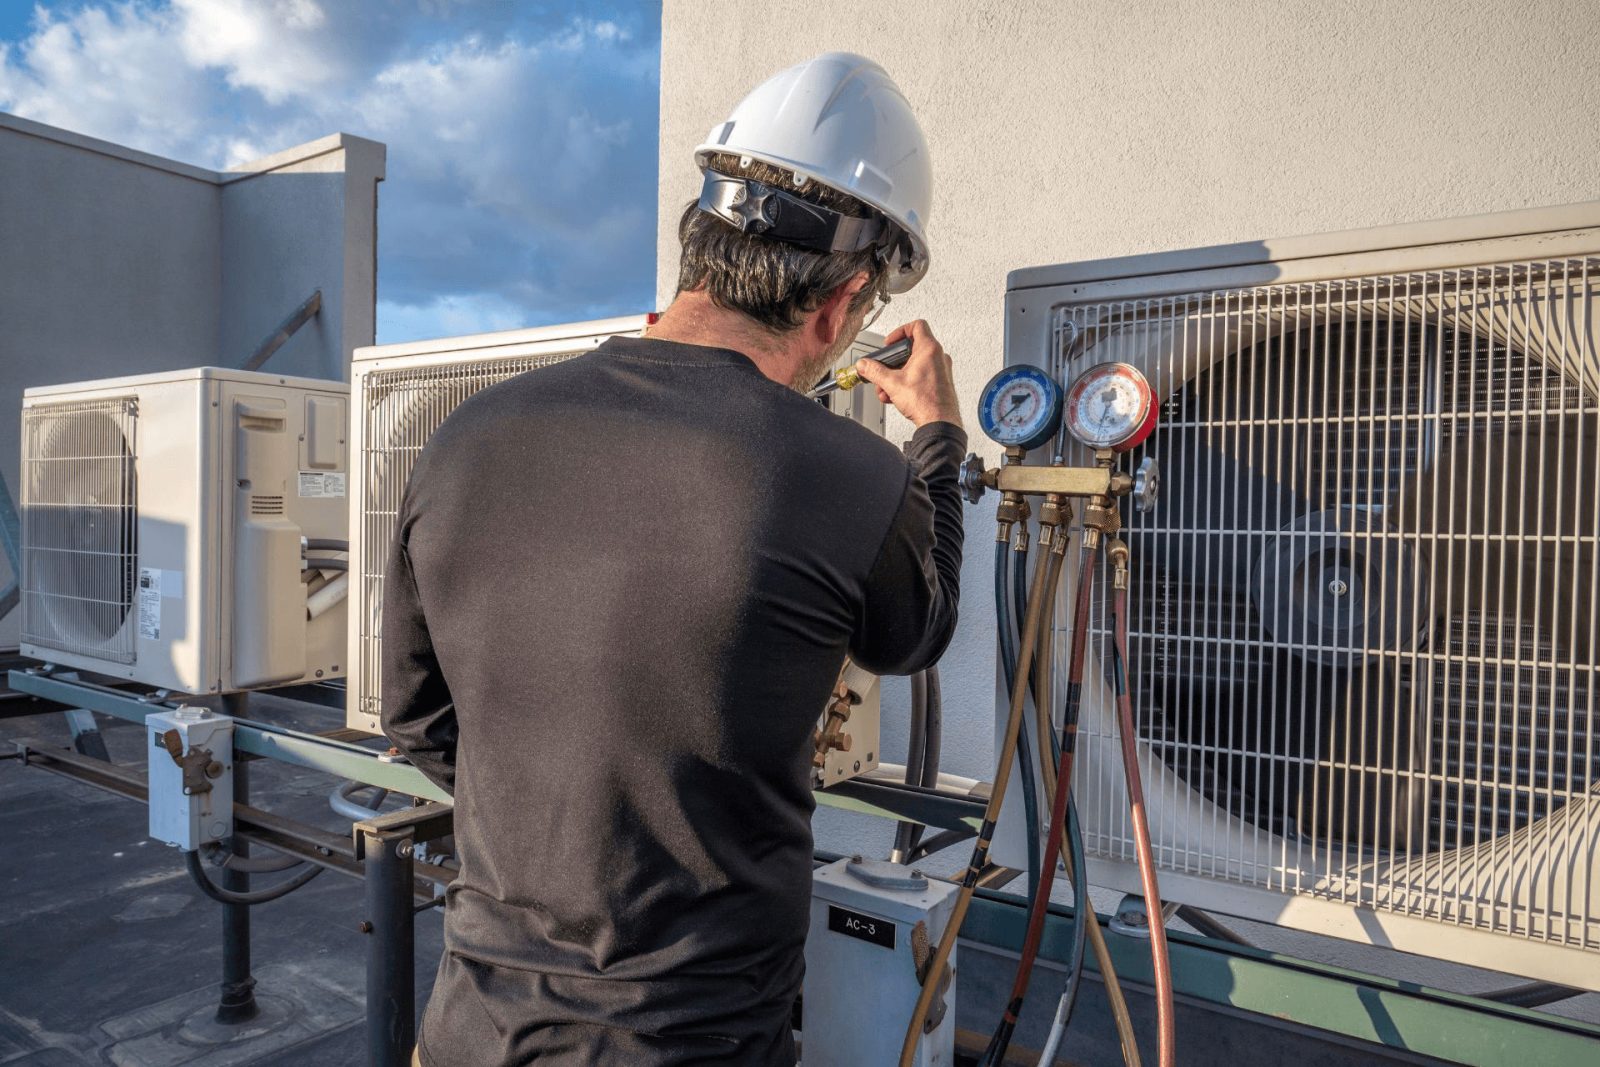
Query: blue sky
[(521, 183)]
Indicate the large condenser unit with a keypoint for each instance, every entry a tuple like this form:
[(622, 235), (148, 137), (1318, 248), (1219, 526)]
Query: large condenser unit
[(164, 522), (1364, 614), (402, 394)]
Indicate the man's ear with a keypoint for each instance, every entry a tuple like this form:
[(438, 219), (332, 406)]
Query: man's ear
[(834, 314)]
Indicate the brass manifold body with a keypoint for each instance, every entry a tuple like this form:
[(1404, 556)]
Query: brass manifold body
[(1099, 485)]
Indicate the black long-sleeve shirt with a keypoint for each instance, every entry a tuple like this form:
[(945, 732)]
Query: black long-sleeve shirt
[(619, 596)]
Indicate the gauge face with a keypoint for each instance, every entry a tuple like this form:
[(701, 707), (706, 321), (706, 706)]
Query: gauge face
[(1020, 407), (1111, 406)]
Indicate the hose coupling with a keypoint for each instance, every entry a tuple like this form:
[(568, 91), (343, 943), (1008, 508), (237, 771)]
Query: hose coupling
[(1055, 511), (1100, 517), (1012, 510), (1117, 552)]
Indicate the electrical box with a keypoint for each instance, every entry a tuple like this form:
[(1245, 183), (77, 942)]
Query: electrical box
[(874, 926), (191, 776)]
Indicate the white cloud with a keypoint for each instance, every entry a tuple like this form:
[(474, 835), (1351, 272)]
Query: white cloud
[(116, 73), (522, 158), (280, 48)]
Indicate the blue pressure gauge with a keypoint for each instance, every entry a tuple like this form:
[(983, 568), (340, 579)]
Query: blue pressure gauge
[(1020, 407)]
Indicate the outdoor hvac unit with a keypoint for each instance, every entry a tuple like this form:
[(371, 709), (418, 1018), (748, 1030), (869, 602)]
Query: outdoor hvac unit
[(402, 394), (1365, 609), (162, 518)]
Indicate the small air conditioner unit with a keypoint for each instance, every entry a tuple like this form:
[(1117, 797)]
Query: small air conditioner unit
[(1363, 632), (402, 394), (162, 518)]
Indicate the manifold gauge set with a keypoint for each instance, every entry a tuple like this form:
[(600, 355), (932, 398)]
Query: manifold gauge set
[(1109, 406)]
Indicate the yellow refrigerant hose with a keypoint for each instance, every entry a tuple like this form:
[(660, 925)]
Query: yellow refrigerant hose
[(1045, 578)]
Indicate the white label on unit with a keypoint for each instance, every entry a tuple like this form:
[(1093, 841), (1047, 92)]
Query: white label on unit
[(322, 483), (149, 603)]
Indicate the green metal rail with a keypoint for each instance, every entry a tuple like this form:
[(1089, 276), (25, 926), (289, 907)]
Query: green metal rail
[(1397, 1015), (1393, 1014)]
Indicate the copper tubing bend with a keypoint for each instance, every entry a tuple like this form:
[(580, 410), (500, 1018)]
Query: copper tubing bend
[(1161, 963)]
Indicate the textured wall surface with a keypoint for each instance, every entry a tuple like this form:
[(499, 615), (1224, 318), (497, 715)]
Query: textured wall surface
[(1072, 131), (116, 262)]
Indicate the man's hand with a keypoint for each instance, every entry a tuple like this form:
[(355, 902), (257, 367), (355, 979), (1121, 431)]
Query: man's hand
[(923, 390)]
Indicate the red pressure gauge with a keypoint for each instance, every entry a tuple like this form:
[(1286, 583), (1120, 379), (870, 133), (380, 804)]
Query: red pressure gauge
[(1111, 405)]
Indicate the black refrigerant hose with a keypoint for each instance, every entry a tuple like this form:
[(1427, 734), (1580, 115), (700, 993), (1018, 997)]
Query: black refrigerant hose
[(1008, 660), (906, 832), (255, 896)]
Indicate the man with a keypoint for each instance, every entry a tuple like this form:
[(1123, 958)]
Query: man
[(622, 589)]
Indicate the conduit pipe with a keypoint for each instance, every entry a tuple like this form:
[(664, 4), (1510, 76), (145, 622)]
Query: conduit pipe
[(324, 599)]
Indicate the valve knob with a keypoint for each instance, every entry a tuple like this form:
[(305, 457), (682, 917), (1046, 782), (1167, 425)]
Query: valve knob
[(972, 478), (1146, 485)]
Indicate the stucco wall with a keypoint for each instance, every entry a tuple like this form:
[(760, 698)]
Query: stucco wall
[(1072, 131), (117, 262)]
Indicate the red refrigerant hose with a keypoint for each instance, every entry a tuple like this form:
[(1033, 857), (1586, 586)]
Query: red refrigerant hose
[(1161, 963)]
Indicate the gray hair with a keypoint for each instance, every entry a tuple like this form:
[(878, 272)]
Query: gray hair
[(774, 283)]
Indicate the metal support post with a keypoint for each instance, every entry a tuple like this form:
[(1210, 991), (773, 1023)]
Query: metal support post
[(238, 1002), (86, 737), (391, 962), (386, 845)]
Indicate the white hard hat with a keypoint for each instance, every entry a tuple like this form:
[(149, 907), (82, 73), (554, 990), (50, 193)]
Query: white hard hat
[(839, 119)]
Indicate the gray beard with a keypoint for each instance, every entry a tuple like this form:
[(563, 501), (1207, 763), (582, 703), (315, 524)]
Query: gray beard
[(811, 373)]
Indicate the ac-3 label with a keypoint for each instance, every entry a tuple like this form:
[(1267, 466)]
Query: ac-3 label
[(863, 927)]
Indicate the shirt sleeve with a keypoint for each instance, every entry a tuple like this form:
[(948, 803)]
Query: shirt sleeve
[(419, 715), (914, 587)]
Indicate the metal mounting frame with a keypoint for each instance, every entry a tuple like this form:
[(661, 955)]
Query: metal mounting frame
[(1391, 1014)]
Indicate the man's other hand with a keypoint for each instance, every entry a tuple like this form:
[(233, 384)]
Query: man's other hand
[(924, 389)]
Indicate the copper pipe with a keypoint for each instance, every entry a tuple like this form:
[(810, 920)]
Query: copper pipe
[(1160, 961)]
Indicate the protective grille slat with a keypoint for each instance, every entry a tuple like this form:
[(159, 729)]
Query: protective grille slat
[(1364, 613), (79, 526), (401, 409)]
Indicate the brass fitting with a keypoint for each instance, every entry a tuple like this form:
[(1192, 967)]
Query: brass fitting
[(1012, 510), (1055, 515), (1117, 552), (1055, 511), (832, 736), (1100, 518)]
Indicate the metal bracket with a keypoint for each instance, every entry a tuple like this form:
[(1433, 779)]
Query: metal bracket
[(426, 822), (881, 874), (286, 329)]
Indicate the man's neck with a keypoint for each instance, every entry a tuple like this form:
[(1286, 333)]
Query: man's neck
[(694, 319)]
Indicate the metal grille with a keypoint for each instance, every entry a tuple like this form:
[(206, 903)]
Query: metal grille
[(79, 527), (1364, 616), (401, 410)]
